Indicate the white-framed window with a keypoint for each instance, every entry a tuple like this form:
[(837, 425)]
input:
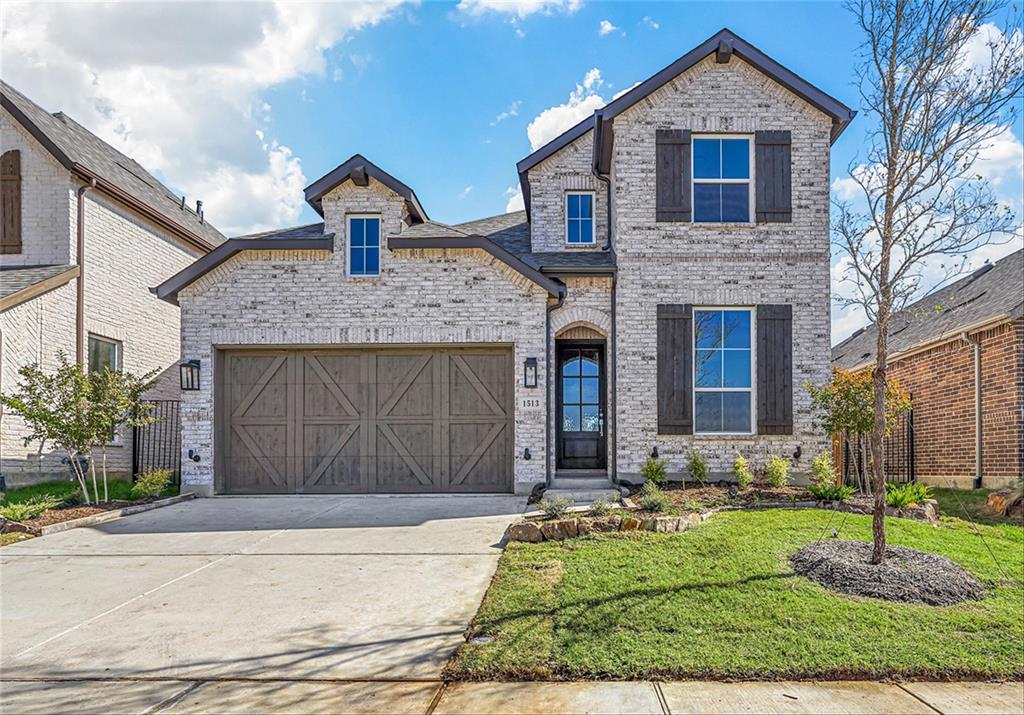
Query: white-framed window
[(723, 370), (579, 218), (104, 353), (363, 245), (722, 186)]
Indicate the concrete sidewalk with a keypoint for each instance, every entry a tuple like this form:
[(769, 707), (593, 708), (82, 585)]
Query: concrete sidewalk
[(320, 696)]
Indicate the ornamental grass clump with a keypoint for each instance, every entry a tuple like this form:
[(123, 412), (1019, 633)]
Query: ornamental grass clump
[(652, 498), (741, 471), (556, 508), (601, 507), (777, 471)]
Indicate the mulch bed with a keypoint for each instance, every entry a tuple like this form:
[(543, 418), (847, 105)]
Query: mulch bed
[(60, 514), (907, 575), (702, 497)]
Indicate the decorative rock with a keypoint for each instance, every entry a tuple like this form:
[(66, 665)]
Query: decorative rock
[(525, 531), (629, 524), (606, 523), (689, 521), (559, 530), (7, 527), (584, 527), (647, 524)]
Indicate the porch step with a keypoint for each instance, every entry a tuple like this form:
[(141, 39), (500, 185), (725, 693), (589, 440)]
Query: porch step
[(600, 482), (583, 497)]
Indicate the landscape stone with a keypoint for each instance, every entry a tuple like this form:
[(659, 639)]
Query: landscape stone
[(525, 531)]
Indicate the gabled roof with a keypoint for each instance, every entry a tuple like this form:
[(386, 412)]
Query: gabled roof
[(723, 44), (83, 153), (22, 283), (359, 169), (992, 293)]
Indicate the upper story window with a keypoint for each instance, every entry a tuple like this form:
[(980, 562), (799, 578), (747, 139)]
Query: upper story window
[(364, 246), (579, 218), (723, 371), (10, 202), (104, 353), (721, 179)]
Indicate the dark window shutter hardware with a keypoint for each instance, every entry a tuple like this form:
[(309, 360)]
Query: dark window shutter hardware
[(675, 369), (775, 369), (773, 176), (672, 149)]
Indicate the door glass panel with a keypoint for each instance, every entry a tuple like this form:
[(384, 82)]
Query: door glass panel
[(591, 419), (572, 367), (570, 390), (590, 391), (571, 418), (590, 364)]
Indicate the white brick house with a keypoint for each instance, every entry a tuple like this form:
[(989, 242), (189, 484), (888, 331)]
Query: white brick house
[(77, 213), (666, 288)]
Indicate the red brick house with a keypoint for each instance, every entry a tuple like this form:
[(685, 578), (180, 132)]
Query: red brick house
[(960, 352)]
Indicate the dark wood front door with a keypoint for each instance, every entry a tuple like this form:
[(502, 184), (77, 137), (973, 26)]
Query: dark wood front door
[(580, 405), (365, 420)]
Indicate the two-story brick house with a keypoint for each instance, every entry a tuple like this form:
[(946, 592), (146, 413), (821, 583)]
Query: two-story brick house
[(666, 287), (86, 231)]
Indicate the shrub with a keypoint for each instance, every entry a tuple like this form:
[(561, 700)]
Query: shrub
[(777, 471), (556, 508), (697, 466), (900, 496), (151, 483), (602, 507), (830, 492), (823, 474), (654, 470), (20, 511), (652, 498), (741, 470)]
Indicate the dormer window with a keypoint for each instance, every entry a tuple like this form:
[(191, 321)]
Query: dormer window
[(579, 218), (721, 179), (364, 246)]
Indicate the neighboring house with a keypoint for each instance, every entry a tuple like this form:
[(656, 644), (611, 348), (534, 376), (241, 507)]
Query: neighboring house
[(85, 232), (667, 287), (960, 353)]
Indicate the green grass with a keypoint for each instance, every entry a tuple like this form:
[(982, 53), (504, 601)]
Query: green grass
[(117, 489), (721, 601), (955, 502)]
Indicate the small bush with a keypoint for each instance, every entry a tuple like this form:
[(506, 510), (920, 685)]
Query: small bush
[(602, 507), (900, 496), (823, 474), (697, 466), (777, 471), (556, 508), (653, 499), (654, 470), (151, 483), (33, 507), (830, 492), (741, 470)]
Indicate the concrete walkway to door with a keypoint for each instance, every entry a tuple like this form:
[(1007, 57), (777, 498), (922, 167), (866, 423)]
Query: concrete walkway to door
[(305, 588)]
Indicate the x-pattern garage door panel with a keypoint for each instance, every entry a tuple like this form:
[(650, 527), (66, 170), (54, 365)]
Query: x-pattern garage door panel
[(386, 420)]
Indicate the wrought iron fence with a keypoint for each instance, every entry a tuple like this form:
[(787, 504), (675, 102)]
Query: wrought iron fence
[(158, 445), (898, 450)]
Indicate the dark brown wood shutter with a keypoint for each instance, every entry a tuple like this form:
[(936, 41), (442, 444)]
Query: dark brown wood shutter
[(775, 369), (10, 202), (675, 367), (673, 175), (772, 175)]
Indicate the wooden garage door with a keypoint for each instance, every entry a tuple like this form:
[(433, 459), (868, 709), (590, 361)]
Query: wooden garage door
[(357, 421)]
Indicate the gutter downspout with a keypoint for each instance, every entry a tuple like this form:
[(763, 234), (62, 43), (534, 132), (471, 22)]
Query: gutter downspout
[(608, 247), (978, 434), (549, 354), (80, 283)]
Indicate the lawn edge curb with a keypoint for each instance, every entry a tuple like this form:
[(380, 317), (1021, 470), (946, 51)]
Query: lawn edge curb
[(106, 516)]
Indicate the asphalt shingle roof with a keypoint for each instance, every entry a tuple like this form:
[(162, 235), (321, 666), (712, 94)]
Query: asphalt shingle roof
[(14, 279), (992, 291), (85, 148), (310, 230)]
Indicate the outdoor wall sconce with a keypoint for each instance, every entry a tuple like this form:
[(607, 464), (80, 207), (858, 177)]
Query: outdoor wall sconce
[(193, 455), (654, 452), (526, 453), (530, 372), (189, 375), (799, 450)]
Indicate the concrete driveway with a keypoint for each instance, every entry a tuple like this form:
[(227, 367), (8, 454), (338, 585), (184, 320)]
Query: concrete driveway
[(310, 588)]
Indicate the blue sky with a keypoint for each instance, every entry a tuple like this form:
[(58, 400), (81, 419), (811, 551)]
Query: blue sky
[(243, 104)]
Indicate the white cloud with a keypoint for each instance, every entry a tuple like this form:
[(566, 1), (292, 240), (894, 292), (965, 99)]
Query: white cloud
[(178, 87), (465, 192), (512, 111), (976, 55), (650, 22), (582, 102), (1001, 159), (606, 28), (519, 9), (514, 194)]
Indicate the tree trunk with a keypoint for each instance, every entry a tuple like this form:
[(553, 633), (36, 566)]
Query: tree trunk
[(80, 476), (95, 485), (878, 382), (105, 497)]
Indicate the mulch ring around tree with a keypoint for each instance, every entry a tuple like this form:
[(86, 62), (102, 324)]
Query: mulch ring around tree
[(907, 575)]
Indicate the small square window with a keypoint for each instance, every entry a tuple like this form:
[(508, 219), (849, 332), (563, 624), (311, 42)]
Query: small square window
[(364, 246), (103, 354), (579, 218)]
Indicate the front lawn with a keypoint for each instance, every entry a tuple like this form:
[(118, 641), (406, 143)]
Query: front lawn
[(117, 490), (970, 504), (721, 601)]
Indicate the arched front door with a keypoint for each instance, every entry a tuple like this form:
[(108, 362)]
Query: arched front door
[(580, 421)]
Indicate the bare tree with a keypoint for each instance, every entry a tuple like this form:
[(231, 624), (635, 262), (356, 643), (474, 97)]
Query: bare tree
[(938, 85)]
